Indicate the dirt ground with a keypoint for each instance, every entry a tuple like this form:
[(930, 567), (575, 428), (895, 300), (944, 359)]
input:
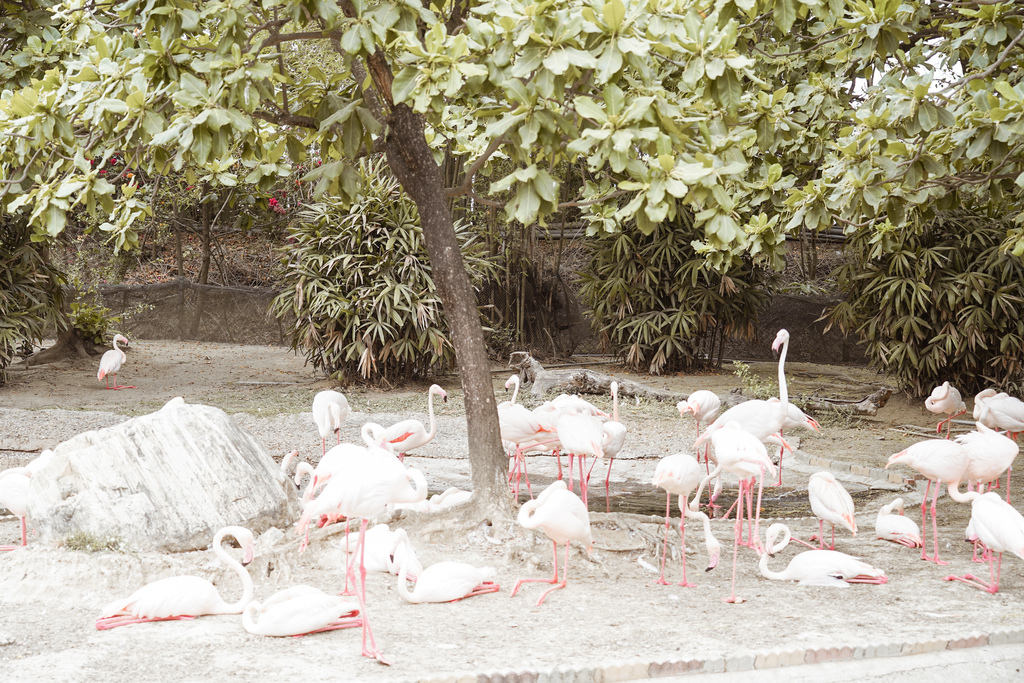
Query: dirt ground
[(49, 597)]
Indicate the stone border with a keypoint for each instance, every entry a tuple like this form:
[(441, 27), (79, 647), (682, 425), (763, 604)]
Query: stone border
[(913, 482), (631, 670)]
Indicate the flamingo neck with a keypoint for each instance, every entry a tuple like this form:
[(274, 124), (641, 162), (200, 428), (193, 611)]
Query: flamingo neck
[(783, 389), (954, 492), (776, 548), (615, 402), (419, 489), (232, 563), (515, 391), (403, 586), (430, 410)]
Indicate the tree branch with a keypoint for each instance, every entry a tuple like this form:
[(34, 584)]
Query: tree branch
[(987, 72), (467, 182)]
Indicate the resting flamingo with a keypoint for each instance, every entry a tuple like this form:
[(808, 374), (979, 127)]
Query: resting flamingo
[(330, 408), (896, 527), (184, 597), (110, 362), (763, 419), (380, 553), (1000, 528), (979, 406), (832, 503), (940, 461), (443, 581), (945, 400), (703, 405), (362, 489), (679, 474), (990, 454), (450, 497), (614, 438), (563, 518), (817, 567), (409, 435), (299, 611), (742, 454), (14, 485)]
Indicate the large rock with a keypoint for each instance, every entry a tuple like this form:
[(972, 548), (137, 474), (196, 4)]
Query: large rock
[(165, 481)]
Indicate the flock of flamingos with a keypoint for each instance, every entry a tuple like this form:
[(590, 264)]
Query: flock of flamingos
[(360, 482)]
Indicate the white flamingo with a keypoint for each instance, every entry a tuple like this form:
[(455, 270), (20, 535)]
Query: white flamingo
[(519, 427), (817, 567), (444, 581), (832, 503), (990, 454), (614, 438), (893, 526), (110, 362), (330, 408), (945, 400), (679, 474), (1000, 527), (299, 611), (703, 405), (14, 487), (408, 435)]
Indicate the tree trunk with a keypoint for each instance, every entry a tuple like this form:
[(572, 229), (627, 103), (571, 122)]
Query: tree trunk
[(411, 161)]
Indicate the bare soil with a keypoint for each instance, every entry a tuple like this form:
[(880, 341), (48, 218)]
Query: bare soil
[(611, 610)]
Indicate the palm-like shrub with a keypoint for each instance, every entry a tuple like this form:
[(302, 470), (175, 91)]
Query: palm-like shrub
[(941, 302), (30, 294), (358, 282), (658, 304)]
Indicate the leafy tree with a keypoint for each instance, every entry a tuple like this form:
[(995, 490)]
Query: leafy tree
[(759, 116)]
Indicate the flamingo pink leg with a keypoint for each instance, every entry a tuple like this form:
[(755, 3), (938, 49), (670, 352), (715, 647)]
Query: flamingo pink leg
[(24, 538), (349, 561), (483, 589), (607, 481), (993, 578), (558, 459), (664, 550), (570, 470), (682, 551), (553, 579), (737, 532), (565, 578), (116, 385), (935, 527), (372, 651), (105, 623)]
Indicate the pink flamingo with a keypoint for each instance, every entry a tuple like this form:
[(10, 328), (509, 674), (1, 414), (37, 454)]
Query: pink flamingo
[(548, 415), (299, 611), (335, 459), (184, 597), (703, 405), (1000, 528), (896, 527), (945, 400), (940, 461), (832, 503), (330, 408), (111, 362), (763, 419), (614, 438), (443, 581), (14, 485), (381, 553), (742, 454), (409, 435), (520, 427), (563, 518), (679, 474), (363, 488), (1002, 411), (817, 567), (990, 454), (581, 434)]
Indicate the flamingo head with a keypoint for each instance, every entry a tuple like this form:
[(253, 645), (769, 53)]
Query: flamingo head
[(436, 389), (684, 407), (121, 338), (781, 338), (511, 381), (813, 424)]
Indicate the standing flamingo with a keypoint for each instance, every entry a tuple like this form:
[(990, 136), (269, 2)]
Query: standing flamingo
[(742, 454), (679, 474), (763, 419), (817, 567), (14, 484), (330, 408), (299, 611), (979, 406), (945, 400), (990, 454), (362, 489), (614, 438), (443, 581), (409, 435), (335, 459), (563, 517), (184, 597), (581, 435), (939, 460), (1003, 411), (110, 362), (832, 503), (1000, 528), (703, 405), (896, 527), (520, 427)]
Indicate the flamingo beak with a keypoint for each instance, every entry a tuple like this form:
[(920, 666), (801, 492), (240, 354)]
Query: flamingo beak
[(250, 552), (712, 563), (813, 424)]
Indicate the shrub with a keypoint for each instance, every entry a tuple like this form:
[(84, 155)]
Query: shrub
[(935, 303), (660, 306), (358, 281)]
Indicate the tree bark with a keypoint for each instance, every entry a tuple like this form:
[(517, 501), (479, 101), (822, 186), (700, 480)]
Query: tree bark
[(412, 163)]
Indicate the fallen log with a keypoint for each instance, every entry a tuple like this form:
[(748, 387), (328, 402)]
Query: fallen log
[(866, 406), (582, 381)]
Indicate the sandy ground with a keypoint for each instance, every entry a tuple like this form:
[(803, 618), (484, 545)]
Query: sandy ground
[(611, 610)]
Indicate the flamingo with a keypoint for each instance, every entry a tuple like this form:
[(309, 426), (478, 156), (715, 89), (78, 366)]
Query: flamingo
[(990, 454), (563, 518), (945, 400), (817, 567), (979, 406), (1000, 528), (703, 405), (409, 435), (518, 426), (380, 553), (939, 460), (362, 489), (763, 419), (444, 581), (679, 474), (330, 408), (450, 497), (581, 434), (184, 597), (110, 362), (832, 503), (14, 485), (336, 459), (743, 454), (614, 437), (896, 527), (1003, 411), (299, 611)]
